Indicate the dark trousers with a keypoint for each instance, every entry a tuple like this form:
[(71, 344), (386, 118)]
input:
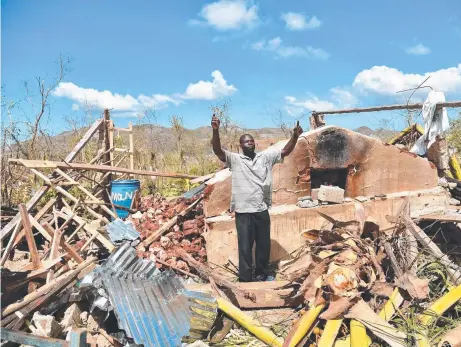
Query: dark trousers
[(251, 228)]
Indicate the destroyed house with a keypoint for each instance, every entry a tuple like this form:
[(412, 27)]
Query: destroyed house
[(378, 174)]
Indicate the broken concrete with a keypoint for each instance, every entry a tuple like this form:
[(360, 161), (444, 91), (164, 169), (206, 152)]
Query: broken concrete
[(45, 325), (71, 318)]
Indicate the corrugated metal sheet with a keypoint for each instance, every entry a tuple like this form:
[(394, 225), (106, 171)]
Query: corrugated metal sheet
[(125, 262), (153, 307), (121, 231)]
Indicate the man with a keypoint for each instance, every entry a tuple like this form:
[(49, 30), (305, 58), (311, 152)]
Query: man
[(252, 197)]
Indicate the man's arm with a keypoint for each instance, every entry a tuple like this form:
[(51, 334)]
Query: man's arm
[(292, 142), (216, 141)]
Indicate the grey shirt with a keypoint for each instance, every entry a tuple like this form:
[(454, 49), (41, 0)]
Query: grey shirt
[(252, 180)]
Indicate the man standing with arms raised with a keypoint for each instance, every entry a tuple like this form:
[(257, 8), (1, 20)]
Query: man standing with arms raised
[(252, 197)]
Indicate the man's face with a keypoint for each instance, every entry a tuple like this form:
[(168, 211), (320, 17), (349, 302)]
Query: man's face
[(248, 144)]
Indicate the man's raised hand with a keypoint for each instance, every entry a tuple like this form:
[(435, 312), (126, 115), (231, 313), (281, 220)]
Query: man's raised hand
[(298, 130), (215, 122)]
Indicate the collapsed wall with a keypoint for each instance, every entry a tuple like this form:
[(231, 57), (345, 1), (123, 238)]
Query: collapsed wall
[(361, 165)]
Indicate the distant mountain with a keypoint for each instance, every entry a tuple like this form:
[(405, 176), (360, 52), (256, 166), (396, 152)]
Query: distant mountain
[(163, 139)]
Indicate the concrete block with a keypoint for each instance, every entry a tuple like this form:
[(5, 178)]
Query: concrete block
[(307, 197), (45, 325), (71, 317), (331, 194)]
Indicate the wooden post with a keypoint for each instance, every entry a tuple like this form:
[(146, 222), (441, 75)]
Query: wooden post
[(316, 120), (106, 159), (34, 257), (111, 141), (130, 128)]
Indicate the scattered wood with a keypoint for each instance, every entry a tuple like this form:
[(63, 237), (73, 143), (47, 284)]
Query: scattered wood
[(34, 256)]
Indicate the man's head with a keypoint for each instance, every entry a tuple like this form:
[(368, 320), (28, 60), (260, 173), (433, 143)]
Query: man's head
[(247, 143)]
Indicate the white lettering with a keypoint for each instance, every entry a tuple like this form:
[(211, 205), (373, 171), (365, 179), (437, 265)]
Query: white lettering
[(121, 196)]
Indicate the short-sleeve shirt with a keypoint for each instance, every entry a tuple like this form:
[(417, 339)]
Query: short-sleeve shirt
[(252, 180)]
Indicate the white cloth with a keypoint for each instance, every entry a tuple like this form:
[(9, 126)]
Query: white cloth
[(435, 122)]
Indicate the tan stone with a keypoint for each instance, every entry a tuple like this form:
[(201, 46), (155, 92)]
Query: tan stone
[(71, 317), (45, 325)]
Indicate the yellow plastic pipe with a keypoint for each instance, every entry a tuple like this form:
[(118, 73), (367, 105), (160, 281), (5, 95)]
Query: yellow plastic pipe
[(358, 334), (437, 308), (305, 323), (330, 332), (386, 313), (253, 326), (390, 307)]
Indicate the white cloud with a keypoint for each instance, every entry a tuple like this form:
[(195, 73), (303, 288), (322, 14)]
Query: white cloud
[(127, 104), (276, 46), (387, 81), (343, 98), (339, 98), (206, 90), (100, 99), (228, 15), (298, 21), (418, 49)]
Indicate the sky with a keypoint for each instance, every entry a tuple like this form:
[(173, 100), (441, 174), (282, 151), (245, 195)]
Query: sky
[(267, 57)]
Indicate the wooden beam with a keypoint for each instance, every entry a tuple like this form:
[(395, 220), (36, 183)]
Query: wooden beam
[(42, 191), (34, 257), (130, 137), (388, 108), (37, 164)]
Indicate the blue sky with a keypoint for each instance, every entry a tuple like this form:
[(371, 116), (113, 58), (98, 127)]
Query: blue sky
[(181, 57)]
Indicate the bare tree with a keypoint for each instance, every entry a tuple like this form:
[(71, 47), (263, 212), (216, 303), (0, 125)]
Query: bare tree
[(281, 122), (177, 125), (38, 100), (230, 129)]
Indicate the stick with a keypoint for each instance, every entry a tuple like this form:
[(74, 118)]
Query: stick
[(178, 269), (10, 243), (35, 258), (388, 108)]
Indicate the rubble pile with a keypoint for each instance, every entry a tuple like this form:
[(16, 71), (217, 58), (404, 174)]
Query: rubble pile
[(154, 212), (72, 269)]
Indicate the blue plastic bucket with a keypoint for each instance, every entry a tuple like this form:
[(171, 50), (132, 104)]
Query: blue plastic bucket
[(122, 194)]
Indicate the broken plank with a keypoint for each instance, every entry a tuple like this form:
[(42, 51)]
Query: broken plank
[(39, 215), (36, 164), (266, 294), (34, 257), (42, 191)]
